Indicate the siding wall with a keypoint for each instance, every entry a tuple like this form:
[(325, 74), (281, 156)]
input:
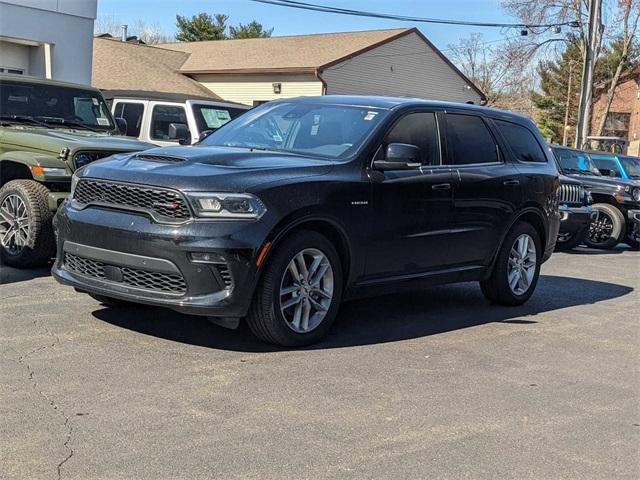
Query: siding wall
[(406, 67), (249, 88)]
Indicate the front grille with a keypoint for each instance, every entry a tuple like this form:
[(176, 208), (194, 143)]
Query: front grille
[(571, 194), (166, 204), (131, 277), (80, 159), (159, 158)]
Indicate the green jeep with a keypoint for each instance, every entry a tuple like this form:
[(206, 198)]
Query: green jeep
[(48, 129)]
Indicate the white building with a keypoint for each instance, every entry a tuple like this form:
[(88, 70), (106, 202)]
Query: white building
[(47, 38)]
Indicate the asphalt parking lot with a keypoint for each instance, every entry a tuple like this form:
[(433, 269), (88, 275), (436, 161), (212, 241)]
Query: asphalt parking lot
[(436, 384)]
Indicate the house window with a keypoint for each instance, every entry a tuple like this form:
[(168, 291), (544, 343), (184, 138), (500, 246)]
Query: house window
[(15, 71), (617, 124)]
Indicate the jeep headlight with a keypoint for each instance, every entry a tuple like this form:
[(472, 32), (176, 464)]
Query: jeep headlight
[(227, 205), (636, 194), (82, 159)]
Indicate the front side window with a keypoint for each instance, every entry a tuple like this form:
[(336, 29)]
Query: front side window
[(469, 140), (210, 117), (419, 129), (607, 166), (320, 130), (164, 115), (522, 142), (132, 113), (572, 161), (55, 105), (631, 166)]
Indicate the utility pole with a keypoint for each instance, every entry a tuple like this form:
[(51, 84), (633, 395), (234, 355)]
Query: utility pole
[(584, 107), (565, 132)]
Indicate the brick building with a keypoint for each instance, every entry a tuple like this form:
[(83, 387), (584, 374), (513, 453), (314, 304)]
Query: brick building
[(623, 119)]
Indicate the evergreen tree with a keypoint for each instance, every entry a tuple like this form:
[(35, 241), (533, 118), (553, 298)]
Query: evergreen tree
[(252, 29), (201, 27)]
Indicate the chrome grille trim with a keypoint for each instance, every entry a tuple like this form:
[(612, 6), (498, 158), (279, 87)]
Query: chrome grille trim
[(147, 280), (571, 194), (163, 204)]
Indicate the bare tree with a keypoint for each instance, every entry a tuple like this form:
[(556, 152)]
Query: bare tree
[(150, 33), (628, 16)]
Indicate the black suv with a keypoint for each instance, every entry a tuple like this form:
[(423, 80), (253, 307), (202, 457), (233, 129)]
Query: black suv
[(616, 201), (299, 204), (576, 213)]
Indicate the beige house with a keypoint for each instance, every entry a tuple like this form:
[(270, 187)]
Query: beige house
[(398, 62)]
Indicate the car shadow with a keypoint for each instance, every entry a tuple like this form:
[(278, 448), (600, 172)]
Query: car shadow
[(15, 275), (383, 319), (595, 251)]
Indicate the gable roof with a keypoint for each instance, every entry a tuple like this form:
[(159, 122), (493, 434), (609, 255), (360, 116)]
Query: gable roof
[(294, 53), (121, 65)]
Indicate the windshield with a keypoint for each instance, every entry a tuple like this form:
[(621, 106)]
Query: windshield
[(212, 117), (54, 105), (608, 166), (572, 161), (327, 131), (631, 166)]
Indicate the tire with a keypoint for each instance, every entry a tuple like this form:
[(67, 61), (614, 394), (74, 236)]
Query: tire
[(110, 302), (572, 242), (30, 241), (496, 288), (608, 229), (270, 319)]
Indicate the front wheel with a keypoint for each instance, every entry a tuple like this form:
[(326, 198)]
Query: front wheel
[(299, 293), (608, 229), (517, 268)]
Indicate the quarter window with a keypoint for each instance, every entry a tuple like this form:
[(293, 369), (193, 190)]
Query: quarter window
[(522, 142), (421, 130), (132, 113), (469, 140), (162, 116)]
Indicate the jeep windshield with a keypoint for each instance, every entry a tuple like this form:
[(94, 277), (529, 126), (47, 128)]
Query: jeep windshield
[(54, 106), (572, 161), (631, 166), (325, 131)]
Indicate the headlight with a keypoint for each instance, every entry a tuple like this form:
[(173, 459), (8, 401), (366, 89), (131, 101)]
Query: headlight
[(227, 205), (636, 194), (74, 183)]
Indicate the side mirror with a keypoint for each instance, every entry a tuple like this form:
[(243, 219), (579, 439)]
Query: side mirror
[(399, 156), (121, 124), (180, 132), (204, 134)]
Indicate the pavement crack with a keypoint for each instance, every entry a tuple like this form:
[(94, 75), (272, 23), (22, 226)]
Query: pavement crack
[(23, 360)]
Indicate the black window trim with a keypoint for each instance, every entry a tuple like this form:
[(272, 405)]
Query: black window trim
[(489, 126), (437, 114), (514, 157)]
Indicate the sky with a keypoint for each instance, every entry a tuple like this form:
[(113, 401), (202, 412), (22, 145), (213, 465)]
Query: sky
[(288, 21)]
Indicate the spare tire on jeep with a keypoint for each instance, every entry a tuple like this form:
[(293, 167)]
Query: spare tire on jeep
[(26, 233)]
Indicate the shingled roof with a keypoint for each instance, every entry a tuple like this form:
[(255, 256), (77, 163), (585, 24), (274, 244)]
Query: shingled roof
[(121, 65), (290, 54)]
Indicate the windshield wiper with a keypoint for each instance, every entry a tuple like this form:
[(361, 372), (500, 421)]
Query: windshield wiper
[(71, 123), (23, 118)]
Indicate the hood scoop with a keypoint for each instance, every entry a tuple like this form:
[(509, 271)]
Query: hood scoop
[(159, 158)]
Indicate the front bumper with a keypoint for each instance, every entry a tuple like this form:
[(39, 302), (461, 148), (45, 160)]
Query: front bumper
[(575, 220), (129, 257)]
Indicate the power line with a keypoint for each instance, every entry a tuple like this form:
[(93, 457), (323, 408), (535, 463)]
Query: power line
[(388, 16)]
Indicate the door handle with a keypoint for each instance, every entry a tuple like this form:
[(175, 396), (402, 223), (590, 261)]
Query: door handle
[(511, 183), (441, 186)]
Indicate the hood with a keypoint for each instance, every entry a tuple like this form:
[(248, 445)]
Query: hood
[(609, 182), (53, 140), (198, 168)]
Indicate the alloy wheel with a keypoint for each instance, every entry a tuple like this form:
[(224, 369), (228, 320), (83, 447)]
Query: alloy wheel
[(522, 264), (601, 228), (306, 290), (14, 224)]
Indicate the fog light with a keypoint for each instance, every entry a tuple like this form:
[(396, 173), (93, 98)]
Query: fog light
[(206, 257)]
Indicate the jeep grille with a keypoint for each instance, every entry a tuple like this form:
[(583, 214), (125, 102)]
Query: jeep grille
[(571, 194), (163, 204)]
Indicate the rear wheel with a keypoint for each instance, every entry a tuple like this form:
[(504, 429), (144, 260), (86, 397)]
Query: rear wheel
[(299, 293), (517, 268), (26, 233), (608, 228)]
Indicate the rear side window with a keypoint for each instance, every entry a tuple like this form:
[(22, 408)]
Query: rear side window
[(132, 113), (469, 140), (421, 130), (522, 142), (162, 116)]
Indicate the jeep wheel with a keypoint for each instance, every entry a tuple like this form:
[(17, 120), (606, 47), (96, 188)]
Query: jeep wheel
[(608, 229), (517, 268), (299, 293), (26, 233)]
